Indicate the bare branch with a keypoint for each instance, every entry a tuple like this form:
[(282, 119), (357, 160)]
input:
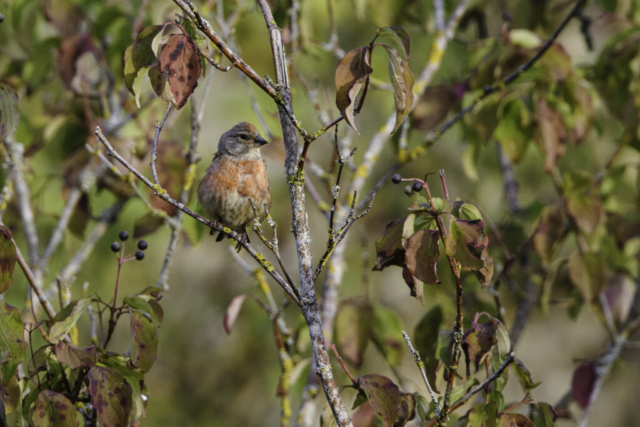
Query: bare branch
[(166, 197), (23, 198), (420, 364), (154, 149)]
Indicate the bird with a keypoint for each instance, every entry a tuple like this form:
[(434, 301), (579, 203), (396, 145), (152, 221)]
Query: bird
[(237, 174)]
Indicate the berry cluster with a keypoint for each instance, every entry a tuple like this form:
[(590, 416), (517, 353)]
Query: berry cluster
[(409, 189), (142, 245)]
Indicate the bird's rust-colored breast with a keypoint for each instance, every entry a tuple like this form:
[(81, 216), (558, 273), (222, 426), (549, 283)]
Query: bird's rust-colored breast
[(227, 186)]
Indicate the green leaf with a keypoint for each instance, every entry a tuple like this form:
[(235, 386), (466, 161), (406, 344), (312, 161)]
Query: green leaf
[(586, 210), (499, 354), (498, 398), (9, 113), (76, 357), (444, 351), (66, 319), (524, 375), (133, 376), (8, 259), (513, 131), (111, 395), (469, 212), (200, 40), (351, 73), (54, 410), (544, 415), (421, 255), (12, 344), (398, 38), (386, 334), (587, 273), (145, 335), (138, 58), (148, 305), (10, 394), (482, 415), (402, 80), (353, 325)]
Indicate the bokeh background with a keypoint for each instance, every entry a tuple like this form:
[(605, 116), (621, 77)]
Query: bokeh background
[(204, 377)]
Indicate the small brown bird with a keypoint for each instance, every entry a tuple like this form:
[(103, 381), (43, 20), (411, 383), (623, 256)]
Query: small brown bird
[(237, 173)]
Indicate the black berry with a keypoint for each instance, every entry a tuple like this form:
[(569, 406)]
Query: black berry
[(142, 245), (123, 235), (139, 255), (407, 190), (396, 178), (115, 247), (417, 186)]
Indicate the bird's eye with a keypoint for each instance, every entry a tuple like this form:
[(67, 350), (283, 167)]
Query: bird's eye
[(244, 136)]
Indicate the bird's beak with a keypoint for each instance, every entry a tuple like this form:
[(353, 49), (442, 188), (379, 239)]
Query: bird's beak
[(259, 142)]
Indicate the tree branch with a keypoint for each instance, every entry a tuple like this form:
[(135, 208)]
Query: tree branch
[(293, 293)]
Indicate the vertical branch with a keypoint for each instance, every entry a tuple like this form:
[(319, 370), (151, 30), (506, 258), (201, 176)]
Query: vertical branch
[(22, 198), (300, 225), (154, 149)]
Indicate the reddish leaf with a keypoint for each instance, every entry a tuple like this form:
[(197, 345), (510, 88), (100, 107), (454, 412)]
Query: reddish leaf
[(389, 248), (364, 416), (514, 420), (481, 339), (351, 72), (353, 325), (232, 312), (8, 259), (180, 66), (552, 133), (584, 378), (421, 255), (76, 357), (54, 410), (416, 287), (393, 406), (111, 395), (549, 230), (467, 243)]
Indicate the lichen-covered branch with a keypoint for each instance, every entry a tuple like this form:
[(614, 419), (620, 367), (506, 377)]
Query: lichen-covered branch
[(293, 292)]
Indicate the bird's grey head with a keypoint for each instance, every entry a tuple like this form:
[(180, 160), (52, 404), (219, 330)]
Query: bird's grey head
[(243, 140)]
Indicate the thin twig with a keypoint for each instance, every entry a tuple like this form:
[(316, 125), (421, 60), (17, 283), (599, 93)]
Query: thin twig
[(154, 149), (420, 364), (293, 292), (48, 308)]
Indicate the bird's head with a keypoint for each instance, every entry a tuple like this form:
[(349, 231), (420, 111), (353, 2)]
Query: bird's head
[(242, 140)]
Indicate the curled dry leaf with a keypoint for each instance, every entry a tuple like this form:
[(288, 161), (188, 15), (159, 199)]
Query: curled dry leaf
[(552, 133), (392, 405), (402, 82), (232, 312), (351, 73)]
